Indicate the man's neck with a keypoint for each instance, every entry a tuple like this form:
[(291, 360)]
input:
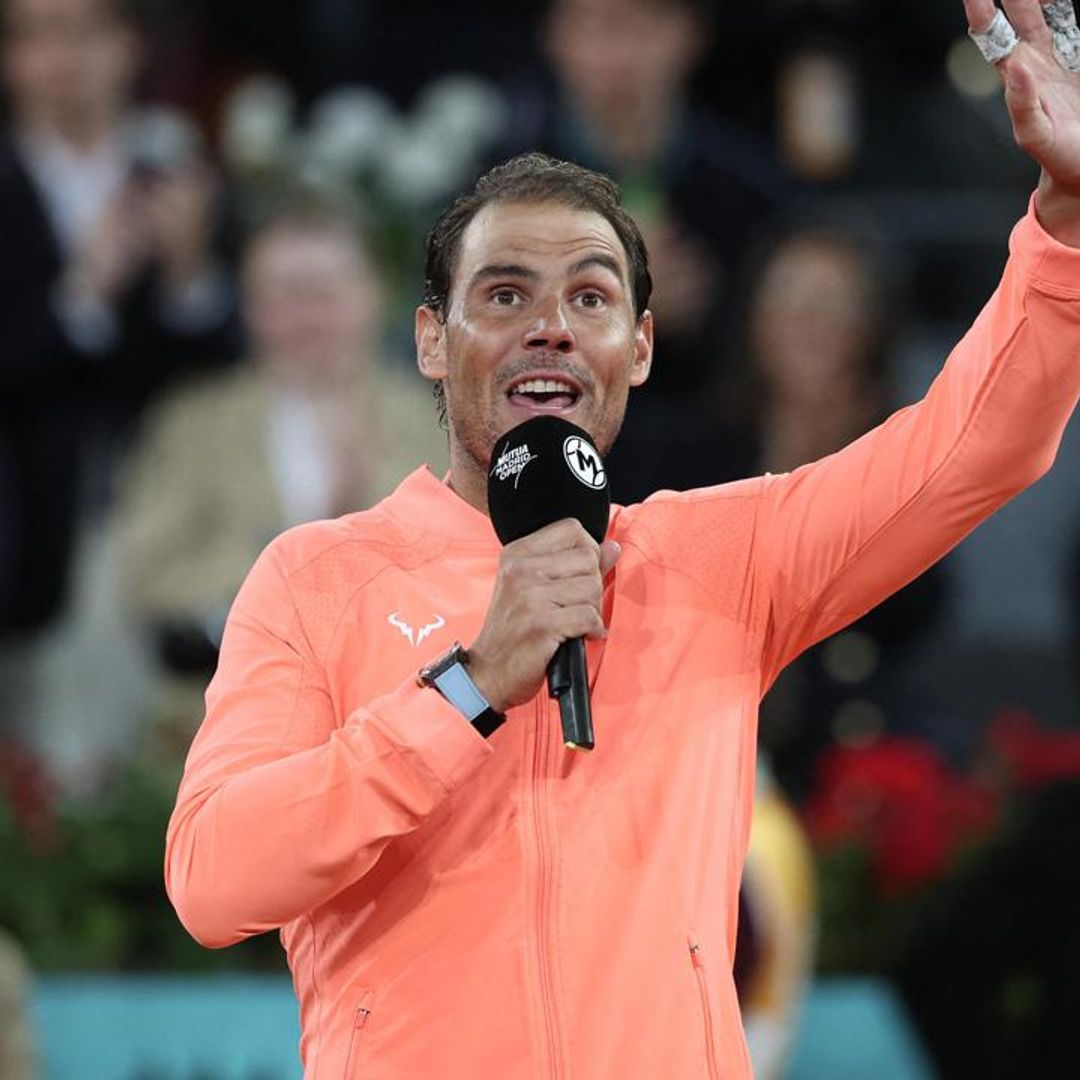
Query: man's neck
[(467, 479)]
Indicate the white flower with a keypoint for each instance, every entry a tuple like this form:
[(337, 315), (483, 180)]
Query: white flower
[(416, 169), (257, 119), (350, 127), (162, 138), (465, 108), (308, 171), (429, 159)]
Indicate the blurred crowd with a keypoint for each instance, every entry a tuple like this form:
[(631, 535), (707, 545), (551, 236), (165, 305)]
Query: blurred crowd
[(214, 217)]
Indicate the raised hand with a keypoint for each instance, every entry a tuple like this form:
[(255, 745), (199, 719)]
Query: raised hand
[(1043, 99)]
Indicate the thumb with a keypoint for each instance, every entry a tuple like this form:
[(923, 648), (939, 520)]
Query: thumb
[(1031, 126), (609, 556)]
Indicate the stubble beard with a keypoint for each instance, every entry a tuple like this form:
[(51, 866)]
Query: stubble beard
[(475, 435)]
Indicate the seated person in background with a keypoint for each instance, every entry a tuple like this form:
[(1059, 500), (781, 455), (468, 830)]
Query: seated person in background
[(821, 320), (313, 425), (109, 287), (16, 1055)]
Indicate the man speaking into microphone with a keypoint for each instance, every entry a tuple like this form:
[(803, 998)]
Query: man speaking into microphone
[(381, 773)]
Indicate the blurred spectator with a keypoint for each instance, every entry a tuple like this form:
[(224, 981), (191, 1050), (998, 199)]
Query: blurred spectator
[(619, 101), (821, 320), (314, 425), (857, 86), (108, 283), (16, 1056), (821, 317)]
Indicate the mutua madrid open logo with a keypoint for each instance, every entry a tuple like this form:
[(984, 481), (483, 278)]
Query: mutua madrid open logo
[(512, 462), (584, 462)]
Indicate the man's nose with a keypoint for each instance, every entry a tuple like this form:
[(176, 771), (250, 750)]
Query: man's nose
[(551, 331)]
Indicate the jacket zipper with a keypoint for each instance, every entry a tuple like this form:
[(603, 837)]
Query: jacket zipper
[(362, 1014), (703, 990), (545, 884)]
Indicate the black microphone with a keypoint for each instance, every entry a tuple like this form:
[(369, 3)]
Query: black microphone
[(542, 471)]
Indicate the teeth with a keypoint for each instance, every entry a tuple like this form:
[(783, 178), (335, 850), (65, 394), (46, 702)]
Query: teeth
[(542, 386)]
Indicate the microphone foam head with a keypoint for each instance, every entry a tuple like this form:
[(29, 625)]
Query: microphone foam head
[(542, 471)]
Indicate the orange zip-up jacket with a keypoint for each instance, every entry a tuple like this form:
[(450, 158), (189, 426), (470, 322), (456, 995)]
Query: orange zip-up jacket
[(461, 908)]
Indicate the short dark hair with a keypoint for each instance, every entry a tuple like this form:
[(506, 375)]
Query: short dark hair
[(533, 178)]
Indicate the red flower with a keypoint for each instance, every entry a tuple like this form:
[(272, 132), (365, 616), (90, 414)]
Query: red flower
[(1032, 755), (899, 799)]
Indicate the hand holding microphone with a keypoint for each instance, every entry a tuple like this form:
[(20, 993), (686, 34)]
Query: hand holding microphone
[(549, 500)]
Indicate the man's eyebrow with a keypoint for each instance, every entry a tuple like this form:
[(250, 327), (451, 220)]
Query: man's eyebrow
[(605, 262), (502, 270)]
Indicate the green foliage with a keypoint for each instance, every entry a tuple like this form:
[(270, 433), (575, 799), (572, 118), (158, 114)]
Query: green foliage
[(860, 931), (82, 887)]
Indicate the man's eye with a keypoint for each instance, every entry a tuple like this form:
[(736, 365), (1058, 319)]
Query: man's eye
[(591, 299), (504, 297)]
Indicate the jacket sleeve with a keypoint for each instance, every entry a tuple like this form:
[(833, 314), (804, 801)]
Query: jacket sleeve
[(280, 808), (838, 536)]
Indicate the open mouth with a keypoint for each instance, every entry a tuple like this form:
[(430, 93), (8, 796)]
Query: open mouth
[(549, 395)]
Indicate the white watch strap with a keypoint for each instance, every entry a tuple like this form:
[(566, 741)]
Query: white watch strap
[(458, 688)]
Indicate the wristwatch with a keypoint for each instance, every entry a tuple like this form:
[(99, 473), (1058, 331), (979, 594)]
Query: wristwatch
[(449, 674)]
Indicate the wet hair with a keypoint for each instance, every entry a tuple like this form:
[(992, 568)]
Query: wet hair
[(530, 178)]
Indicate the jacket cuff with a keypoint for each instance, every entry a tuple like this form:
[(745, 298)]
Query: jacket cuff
[(1049, 266), (425, 726)]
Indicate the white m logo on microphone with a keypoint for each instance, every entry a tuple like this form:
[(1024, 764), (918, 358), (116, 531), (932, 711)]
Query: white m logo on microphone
[(584, 462)]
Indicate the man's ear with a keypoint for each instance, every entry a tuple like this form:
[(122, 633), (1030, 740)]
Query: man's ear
[(643, 350), (430, 343)]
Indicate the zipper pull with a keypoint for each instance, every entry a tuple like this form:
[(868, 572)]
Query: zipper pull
[(695, 954), (364, 1011)]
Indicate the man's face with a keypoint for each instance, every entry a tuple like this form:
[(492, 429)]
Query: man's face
[(310, 304), (540, 319), (63, 58)]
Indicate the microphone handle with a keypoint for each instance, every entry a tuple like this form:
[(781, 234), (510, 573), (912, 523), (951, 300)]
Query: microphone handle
[(568, 682)]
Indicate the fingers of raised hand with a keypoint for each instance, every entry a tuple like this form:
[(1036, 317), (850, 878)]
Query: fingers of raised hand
[(980, 14), (1048, 26), (1060, 17), (1031, 126), (992, 32), (1029, 22)]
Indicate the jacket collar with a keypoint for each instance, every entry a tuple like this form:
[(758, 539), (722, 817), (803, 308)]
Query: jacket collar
[(423, 500)]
